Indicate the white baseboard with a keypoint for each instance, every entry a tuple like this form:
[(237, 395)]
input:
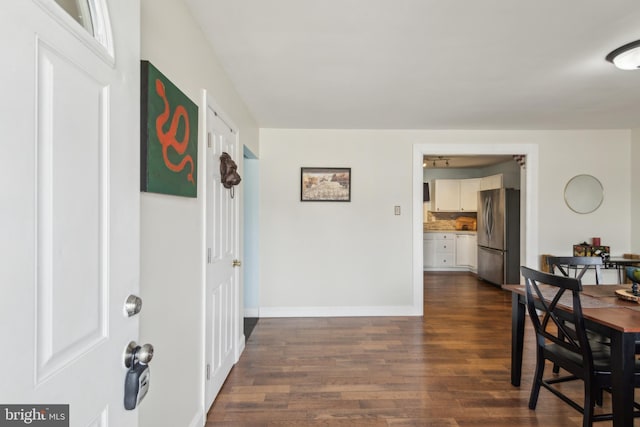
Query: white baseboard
[(251, 312), (198, 421), (239, 348), (403, 310)]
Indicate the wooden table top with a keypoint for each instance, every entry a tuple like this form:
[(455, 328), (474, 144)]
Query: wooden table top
[(601, 305)]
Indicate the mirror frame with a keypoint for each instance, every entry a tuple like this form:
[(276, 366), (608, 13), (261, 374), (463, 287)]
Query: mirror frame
[(584, 183)]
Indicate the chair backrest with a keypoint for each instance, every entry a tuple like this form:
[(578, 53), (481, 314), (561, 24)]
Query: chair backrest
[(544, 292), (579, 265)]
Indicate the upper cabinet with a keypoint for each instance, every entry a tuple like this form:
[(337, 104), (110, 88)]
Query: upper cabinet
[(461, 195), (491, 182), (447, 195), (469, 194), (456, 195)]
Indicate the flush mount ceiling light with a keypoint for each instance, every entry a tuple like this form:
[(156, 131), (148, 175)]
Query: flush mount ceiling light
[(626, 57)]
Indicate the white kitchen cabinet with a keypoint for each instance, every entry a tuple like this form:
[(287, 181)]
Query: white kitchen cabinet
[(428, 251), (439, 250), (447, 195), (491, 182), (473, 252), (445, 250), (456, 195), (466, 251), (469, 194)]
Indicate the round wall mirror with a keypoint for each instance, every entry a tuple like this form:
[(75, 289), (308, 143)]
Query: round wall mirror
[(583, 194)]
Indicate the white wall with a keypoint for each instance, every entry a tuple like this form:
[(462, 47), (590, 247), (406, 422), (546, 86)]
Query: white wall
[(356, 258), (334, 258), (251, 255), (171, 226), (635, 191)]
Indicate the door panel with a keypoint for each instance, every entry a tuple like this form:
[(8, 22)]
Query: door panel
[(70, 211), (72, 105), (222, 288), (491, 265)]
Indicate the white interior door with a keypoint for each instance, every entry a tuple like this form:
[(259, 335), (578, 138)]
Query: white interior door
[(222, 287), (70, 199)]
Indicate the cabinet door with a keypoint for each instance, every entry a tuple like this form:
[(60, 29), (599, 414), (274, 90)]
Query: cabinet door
[(462, 250), (429, 253), (469, 194), (447, 195), (491, 182), (473, 252)]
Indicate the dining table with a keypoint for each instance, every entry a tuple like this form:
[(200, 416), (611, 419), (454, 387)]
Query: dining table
[(620, 263), (604, 312)]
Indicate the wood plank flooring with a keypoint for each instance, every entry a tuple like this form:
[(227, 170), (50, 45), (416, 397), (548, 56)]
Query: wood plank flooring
[(449, 368)]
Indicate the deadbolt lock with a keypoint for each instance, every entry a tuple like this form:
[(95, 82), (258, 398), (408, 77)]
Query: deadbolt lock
[(132, 305)]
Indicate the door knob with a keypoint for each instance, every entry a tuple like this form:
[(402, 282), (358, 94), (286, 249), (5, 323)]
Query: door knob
[(236, 263), (134, 352)]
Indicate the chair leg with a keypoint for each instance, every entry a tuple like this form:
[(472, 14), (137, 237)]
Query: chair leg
[(537, 380), (590, 397)]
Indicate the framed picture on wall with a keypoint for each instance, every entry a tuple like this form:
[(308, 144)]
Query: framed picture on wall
[(325, 184), (168, 136)]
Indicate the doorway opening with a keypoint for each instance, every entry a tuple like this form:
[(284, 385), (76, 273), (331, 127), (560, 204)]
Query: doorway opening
[(529, 197), (250, 246)]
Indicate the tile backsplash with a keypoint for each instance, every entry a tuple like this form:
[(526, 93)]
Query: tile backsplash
[(443, 220)]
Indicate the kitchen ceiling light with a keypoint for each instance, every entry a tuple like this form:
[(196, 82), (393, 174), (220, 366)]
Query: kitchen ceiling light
[(626, 57), (434, 161)]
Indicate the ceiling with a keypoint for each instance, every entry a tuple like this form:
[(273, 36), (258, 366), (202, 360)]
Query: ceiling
[(427, 64), (455, 162)]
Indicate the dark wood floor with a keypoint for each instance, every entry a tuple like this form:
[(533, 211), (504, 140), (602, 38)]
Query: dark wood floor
[(448, 368)]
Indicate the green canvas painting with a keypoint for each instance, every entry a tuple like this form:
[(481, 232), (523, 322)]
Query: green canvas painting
[(169, 136)]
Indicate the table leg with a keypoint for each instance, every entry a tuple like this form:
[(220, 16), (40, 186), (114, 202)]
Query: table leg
[(517, 338), (622, 371)]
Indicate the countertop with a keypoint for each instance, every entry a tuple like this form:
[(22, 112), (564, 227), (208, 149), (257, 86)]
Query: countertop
[(452, 231)]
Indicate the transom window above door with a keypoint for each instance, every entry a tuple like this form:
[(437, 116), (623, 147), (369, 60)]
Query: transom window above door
[(93, 17), (80, 11)]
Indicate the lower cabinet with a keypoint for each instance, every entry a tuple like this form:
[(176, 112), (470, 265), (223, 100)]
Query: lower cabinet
[(445, 251), (439, 250), (449, 251), (467, 251), (429, 252)]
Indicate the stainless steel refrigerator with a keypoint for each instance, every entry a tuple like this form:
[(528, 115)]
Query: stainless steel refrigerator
[(499, 235)]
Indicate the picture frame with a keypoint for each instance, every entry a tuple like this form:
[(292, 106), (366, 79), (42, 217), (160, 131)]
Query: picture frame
[(168, 136), (325, 184)]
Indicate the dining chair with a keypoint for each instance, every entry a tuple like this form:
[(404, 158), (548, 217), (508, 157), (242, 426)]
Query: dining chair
[(579, 264), (574, 352)]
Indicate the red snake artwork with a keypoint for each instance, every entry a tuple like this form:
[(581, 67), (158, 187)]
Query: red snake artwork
[(168, 139)]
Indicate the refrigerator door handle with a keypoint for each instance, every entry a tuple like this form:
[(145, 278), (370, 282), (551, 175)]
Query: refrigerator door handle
[(488, 217)]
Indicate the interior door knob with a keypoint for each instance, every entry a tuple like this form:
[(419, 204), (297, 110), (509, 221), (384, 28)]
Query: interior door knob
[(143, 354), (236, 263)]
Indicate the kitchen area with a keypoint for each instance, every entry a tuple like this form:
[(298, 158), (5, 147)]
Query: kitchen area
[(471, 215)]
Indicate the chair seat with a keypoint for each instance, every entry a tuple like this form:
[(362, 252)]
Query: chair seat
[(601, 356)]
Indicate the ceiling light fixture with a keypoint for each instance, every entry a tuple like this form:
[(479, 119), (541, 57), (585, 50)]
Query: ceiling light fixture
[(626, 57), (435, 161)]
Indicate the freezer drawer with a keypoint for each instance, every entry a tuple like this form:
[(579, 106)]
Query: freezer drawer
[(491, 265)]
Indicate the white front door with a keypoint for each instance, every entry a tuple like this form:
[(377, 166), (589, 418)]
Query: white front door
[(222, 287), (69, 220)]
